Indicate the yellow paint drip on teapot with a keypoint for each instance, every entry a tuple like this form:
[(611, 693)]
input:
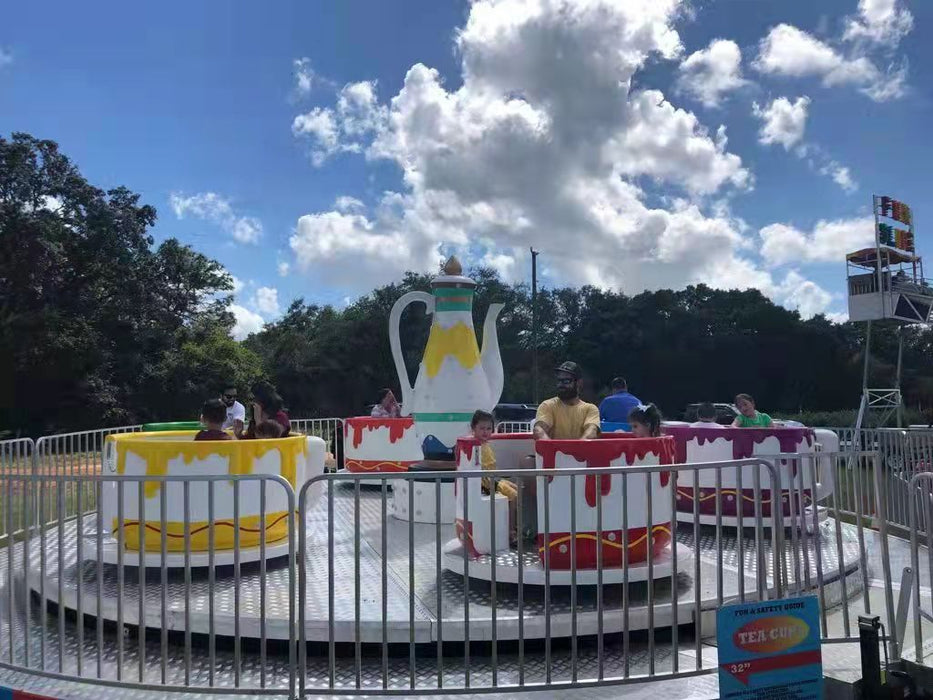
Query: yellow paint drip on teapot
[(458, 341)]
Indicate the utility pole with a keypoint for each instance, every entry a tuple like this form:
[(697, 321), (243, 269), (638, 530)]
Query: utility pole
[(534, 324)]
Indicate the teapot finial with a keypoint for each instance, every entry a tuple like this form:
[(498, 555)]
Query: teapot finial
[(453, 267)]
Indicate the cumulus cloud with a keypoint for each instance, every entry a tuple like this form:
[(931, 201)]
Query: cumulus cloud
[(840, 175), (671, 145), (791, 52), (348, 204), (879, 21), (284, 269), (543, 142), (306, 78), (783, 121), (247, 322), (320, 126), (712, 72), (803, 295), (210, 206), (358, 115), (267, 301), (829, 241)]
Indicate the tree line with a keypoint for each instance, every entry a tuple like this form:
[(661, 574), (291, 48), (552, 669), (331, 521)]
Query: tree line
[(102, 327)]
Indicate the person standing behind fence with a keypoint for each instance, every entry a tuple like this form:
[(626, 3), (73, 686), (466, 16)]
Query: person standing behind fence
[(748, 417)]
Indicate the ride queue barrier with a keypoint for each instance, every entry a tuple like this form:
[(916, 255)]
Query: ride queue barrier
[(58, 560), (902, 454), (37, 642), (921, 508)]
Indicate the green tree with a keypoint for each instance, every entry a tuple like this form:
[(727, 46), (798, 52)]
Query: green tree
[(90, 311)]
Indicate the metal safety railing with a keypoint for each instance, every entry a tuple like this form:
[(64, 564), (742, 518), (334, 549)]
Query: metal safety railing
[(514, 426), (902, 454), (331, 430), (454, 611), (162, 599), (364, 586), (921, 508)]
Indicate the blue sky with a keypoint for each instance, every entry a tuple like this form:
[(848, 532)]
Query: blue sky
[(523, 136)]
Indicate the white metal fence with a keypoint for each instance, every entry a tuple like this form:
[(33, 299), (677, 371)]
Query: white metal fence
[(364, 602), (902, 455)]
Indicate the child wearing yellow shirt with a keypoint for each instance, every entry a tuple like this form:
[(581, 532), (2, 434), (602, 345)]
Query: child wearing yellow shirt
[(483, 426)]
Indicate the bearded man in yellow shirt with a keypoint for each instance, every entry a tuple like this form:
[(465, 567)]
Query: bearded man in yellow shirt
[(567, 416)]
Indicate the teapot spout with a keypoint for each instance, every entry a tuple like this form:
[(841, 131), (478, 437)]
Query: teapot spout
[(490, 357)]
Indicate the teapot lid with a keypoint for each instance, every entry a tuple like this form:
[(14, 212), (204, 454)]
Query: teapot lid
[(453, 275)]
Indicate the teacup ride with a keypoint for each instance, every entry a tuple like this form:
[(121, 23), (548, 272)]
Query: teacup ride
[(391, 445), (380, 444), (572, 532), (296, 458), (719, 444)]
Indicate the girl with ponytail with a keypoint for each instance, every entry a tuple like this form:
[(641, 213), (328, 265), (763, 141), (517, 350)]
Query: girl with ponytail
[(645, 421)]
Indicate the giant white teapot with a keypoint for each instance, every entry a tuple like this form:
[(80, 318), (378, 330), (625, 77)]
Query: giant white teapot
[(455, 378)]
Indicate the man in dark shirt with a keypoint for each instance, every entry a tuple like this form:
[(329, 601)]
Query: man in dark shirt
[(616, 407), (213, 415)]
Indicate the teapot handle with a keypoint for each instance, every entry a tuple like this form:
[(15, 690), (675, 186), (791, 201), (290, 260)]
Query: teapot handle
[(395, 317)]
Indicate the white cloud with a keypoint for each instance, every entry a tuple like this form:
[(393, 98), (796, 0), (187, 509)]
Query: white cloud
[(357, 115), (347, 204), (349, 249), (840, 175), (305, 76), (246, 322), (838, 316), (284, 269), (879, 21), (320, 126), (267, 301), (210, 206), (237, 284), (790, 52), (6, 57), (828, 242), (783, 121), (669, 144), (712, 72), (246, 229), (543, 143), (803, 295)]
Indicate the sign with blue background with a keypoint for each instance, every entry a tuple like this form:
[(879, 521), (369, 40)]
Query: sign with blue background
[(770, 650)]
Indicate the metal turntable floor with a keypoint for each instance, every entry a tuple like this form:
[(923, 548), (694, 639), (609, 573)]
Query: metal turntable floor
[(433, 618)]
